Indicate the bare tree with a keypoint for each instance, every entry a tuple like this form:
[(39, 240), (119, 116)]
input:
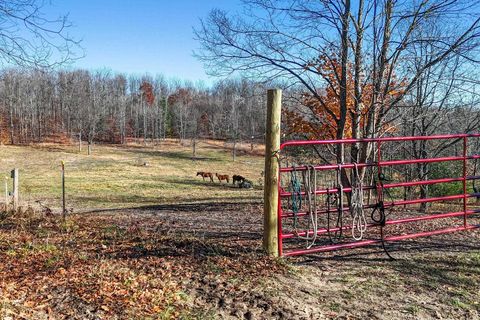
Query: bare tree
[(40, 105), (289, 39), (29, 38), (438, 104)]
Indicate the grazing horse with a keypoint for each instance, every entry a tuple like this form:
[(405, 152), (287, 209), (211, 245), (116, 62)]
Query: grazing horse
[(223, 177), (238, 178), (205, 175)]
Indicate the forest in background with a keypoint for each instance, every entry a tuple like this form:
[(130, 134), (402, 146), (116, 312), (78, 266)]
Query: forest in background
[(38, 106), (102, 106)]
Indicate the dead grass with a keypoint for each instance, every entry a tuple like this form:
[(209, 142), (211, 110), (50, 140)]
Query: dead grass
[(129, 176)]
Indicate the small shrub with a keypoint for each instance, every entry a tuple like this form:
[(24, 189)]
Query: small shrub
[(445, 170), (413, 309)]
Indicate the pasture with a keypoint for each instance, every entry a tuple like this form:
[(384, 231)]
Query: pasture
[(121, 177), (147, 239)]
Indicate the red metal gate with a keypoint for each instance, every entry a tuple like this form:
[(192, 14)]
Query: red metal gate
[(318, 235)]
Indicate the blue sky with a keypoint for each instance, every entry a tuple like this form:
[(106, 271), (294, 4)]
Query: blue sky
[(139, 36)]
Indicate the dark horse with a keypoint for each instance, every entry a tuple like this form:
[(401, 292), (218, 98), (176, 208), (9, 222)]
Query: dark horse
[(238, 178)]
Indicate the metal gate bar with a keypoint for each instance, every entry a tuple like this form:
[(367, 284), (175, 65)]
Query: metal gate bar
[(379, 164)]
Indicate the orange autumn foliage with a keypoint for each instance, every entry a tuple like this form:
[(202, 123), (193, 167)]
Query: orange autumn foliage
[(147, 92), (181, 96), (322, 119)]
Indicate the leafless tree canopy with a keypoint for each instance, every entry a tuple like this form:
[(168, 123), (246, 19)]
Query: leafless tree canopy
[(376, 53), (42, 105), (378, 39), (29, 38)]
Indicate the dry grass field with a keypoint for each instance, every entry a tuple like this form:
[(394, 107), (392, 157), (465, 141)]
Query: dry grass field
[(155, 242), (130, 176)]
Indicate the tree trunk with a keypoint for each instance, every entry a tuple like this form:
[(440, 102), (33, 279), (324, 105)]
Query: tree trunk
[(194, 146), (12, 129), (234, 151), (423, 195)]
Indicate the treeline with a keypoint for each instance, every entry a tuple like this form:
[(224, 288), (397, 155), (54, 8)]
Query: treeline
[(37, 106)]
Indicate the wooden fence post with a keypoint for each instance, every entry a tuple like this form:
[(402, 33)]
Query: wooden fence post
[(79, 142), (15, 174), (272, 146)]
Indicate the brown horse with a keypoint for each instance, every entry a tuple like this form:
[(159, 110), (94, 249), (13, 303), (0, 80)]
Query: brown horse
[(238, 178), (205, 175), (223, 177)]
